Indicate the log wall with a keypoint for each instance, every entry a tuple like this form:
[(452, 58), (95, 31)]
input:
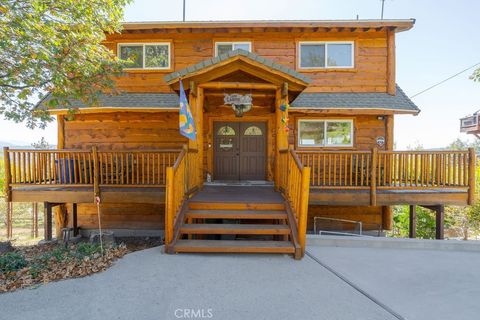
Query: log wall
[(368, 75)]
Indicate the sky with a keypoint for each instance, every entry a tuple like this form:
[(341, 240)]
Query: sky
[(443, 42)]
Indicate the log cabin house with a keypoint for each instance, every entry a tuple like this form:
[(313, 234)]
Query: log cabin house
[(294, 122)]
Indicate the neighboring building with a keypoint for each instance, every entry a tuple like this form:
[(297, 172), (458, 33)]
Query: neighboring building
[(470, 125), (338, 78)]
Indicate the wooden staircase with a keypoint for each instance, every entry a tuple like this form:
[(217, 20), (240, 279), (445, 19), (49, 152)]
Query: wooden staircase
[(235, 227)]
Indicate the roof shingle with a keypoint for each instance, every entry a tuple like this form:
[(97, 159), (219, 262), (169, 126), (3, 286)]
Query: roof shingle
[(374, 100), (127, 100)]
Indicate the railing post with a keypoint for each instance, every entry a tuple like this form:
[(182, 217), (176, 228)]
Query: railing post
[(303, 214), (169, 208), (96, 174), (472, 162), (373, 177), (8, 174)]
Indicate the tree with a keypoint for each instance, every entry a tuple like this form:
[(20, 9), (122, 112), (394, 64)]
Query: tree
[(425, 222), (476, 75), (41, 144), (55, 46), (460, 144)]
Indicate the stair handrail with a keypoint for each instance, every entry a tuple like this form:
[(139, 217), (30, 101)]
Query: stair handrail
[(182, 179), (175, 193), (294, 183)]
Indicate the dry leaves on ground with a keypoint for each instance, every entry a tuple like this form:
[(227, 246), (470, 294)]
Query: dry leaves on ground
[(40, 264)]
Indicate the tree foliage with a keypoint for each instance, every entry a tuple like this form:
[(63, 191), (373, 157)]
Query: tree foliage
[(476, 75), (55, 46)]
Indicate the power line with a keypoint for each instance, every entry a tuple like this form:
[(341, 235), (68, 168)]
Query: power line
[(443, 81)]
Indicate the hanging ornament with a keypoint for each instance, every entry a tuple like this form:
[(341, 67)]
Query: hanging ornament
[(284, 106)]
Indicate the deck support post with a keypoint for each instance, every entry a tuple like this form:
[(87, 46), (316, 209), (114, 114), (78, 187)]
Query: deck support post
[(9, 220), (34, 220), (373, 178), (47, 221), (74, 220), (412, 230), (387, 217), (439, 218)]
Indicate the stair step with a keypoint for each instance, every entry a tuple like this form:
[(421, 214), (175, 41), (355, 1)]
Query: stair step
[(236, 214), (236, 206), (270, 229), (234, 246)]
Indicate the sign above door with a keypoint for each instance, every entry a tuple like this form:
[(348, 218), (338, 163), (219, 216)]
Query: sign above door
[(240, 103)]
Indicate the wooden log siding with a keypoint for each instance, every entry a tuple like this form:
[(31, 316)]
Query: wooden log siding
[(390, 169), (75, 168), (188, 48)]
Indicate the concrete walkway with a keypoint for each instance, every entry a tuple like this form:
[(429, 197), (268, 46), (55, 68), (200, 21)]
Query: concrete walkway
[(151, 285)]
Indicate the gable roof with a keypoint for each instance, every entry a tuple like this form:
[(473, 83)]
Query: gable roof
[(234, 55), (400, 102)]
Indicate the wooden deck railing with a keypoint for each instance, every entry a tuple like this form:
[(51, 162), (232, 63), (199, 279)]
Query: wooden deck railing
[(181, 179), (87, 168), (293, 181), (402, 170), (135, 168)]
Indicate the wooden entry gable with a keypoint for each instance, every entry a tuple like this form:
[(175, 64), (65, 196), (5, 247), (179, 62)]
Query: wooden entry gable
[(239, 60)]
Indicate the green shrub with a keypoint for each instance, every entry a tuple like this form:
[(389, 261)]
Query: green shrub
[(85, 249), (12, 261), (35, 269)]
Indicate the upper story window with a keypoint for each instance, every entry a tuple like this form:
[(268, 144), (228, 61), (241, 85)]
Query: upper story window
[(325, 133), (145, 55), (321, 55), (224, 47)]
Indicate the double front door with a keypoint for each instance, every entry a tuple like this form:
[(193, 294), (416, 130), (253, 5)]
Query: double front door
[(239, 150)]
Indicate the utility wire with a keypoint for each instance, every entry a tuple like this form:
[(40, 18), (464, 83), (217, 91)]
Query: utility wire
[(443, 81)]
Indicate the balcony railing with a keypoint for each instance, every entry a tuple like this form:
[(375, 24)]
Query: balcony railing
[(382, 170), (89, 168)]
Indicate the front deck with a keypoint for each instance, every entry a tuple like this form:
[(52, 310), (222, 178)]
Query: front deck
[(173, 177), (343, 178)]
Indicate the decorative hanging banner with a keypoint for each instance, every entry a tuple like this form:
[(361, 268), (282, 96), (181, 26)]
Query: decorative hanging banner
[(185, 119), (284, 108)]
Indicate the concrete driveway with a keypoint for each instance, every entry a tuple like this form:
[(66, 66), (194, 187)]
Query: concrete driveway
[(415, 284)]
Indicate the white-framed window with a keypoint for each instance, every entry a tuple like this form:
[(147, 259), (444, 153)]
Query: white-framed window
[(224, 47), (325, 133), (153, 56), (324, 55)]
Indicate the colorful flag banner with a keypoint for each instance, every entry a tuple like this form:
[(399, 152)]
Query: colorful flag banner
[(185, 119)]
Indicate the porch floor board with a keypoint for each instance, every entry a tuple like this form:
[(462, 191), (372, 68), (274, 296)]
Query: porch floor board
[(238, 194)]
